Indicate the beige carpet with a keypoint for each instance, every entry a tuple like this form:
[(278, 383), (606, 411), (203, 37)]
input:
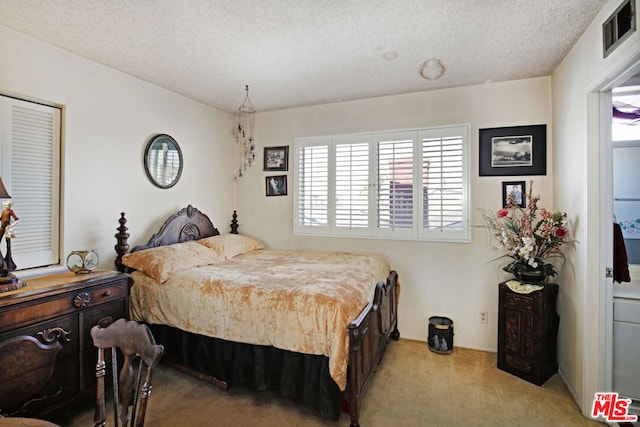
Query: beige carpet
[(413, 387)]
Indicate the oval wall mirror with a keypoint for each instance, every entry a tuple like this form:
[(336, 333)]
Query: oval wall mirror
[(163, 161)]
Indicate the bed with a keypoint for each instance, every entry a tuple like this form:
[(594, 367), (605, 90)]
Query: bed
[(311, 325)]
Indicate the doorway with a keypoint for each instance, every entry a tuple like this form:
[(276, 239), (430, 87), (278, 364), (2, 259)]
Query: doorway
[(625, 139), (621, 174)]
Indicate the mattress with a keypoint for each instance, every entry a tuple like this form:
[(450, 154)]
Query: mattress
[(296, 301)]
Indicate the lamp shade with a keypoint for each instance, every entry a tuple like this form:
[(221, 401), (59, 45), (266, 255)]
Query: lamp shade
[(3, 191)]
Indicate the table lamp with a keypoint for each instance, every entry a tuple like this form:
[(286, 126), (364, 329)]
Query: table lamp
[(8, 281)]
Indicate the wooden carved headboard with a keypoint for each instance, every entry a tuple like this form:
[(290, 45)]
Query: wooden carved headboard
[(187, 224)]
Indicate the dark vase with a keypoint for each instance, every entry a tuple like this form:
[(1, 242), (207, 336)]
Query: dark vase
[(531, 277)]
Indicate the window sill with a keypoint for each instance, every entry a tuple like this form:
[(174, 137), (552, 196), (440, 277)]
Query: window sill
[(42, 271)]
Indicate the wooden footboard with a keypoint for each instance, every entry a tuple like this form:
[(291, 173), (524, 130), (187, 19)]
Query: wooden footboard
[(369, 335)]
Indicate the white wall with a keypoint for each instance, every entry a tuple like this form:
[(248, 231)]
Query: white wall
[(108, 117), (578, 159), (456, 280)]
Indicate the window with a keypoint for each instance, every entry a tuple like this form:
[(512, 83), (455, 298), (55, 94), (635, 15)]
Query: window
[(313, 185), (30, 169), (410, 184)]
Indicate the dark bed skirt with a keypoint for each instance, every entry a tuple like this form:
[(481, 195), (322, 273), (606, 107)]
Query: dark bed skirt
[(302, 378)]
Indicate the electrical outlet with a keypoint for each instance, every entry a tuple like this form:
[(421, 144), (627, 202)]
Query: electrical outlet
[(484, 317)]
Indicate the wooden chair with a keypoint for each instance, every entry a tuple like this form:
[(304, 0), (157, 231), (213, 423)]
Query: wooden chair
[(132, 341)]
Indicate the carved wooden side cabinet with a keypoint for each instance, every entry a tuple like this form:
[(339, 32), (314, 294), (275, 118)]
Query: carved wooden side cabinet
[(527, 333), (47, 358)]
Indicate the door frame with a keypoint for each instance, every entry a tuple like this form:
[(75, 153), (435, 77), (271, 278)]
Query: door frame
[(600, 110)]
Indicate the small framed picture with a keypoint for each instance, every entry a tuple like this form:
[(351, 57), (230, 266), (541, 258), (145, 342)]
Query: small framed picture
[(276, 185), (515, 190), (276, 158), (517, 150)]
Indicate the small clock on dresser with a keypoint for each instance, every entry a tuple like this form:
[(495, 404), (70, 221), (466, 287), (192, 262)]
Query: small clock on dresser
[(82, 261)]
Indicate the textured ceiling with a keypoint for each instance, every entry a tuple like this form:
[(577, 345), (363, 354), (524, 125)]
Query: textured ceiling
[(296, 53)]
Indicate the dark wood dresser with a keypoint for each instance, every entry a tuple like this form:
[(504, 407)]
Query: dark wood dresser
[(527, 333), (45, 344)]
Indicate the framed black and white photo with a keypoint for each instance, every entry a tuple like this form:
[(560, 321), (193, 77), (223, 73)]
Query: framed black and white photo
[(515, 189), (516, 150), (276, 185), (276, 158)]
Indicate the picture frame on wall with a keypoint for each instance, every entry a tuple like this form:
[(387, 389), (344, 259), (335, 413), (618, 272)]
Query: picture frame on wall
[(512, 151), (276, 185), (276, 158), (517, 189)]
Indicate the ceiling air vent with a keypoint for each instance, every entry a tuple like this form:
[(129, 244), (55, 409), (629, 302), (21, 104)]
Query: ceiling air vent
[(619, 26)]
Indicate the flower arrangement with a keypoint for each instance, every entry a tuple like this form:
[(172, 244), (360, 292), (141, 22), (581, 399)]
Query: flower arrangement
[(531, 235)]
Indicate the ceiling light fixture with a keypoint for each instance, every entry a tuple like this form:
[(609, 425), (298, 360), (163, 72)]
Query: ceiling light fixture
[(432, 69), (243, 132)]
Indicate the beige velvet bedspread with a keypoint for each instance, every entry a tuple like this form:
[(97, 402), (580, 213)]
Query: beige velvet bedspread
[(297, 301)]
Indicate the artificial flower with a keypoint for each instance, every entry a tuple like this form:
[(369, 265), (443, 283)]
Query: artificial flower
[(530, 235)]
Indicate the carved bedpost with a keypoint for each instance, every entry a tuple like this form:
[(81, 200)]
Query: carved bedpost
[(122, 247), (234, 223)]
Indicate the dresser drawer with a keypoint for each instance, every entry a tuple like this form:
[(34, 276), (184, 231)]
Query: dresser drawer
[(520, 301), (64, 330), (100, 295), (62, 304)]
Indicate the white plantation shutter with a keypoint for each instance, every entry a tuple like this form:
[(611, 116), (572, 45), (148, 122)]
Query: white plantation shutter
[(352, 185), (30, 135), (444, 182), (405, 185), (312, 189), (395, 173)]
